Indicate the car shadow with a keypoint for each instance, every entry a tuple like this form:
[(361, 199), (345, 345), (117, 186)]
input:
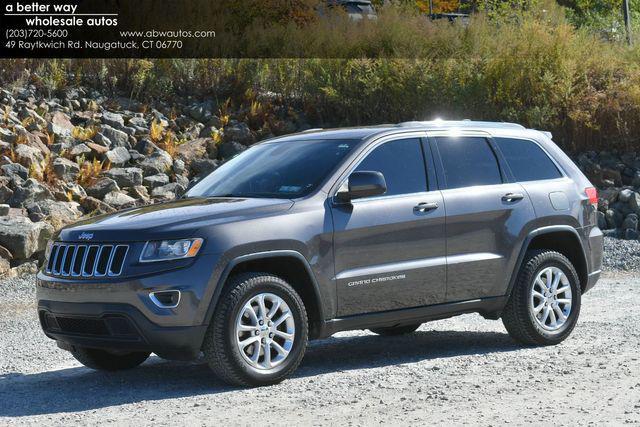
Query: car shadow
[(81, 389)]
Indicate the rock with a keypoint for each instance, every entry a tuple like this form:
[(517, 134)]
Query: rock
[(100, 139), (58, 214), (80, 150), (201, 112), (136, 157), (30, 191), (226, 150), (102, 187), (139, 192), (158, 162), (117, 137), (602, 220), (169, 191), (630, 234), (630, 222), (60, 125), (125, 177), (28, 156), (625, 195), (199, 148), (15, 169), (22, 237), (157, 180), (239, 132), (7, 135), (634, 202), (97, 150), (24, 268), (182, 180), (118, 199), (113, 119), (146, 147), (204, 167), (179, 167), (92, 205), (65, 169), (5, 266), (5, 193), (5, 253), (118, 156), (4, 210), (614, 219)]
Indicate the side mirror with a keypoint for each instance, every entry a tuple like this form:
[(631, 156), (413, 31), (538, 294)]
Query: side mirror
[(363, 184)]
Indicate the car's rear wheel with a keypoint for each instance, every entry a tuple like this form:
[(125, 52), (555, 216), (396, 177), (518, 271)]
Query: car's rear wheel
[(396, 330), (103, 360), (259, 331), (545, 302)]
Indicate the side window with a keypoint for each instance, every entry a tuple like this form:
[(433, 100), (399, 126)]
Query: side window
[(468, 161), (527, 160), (402, 164)]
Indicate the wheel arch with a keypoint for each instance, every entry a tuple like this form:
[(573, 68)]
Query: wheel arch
[(289, 265), (563, 239)]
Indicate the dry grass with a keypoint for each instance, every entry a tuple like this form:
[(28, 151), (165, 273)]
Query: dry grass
[(84, 134)]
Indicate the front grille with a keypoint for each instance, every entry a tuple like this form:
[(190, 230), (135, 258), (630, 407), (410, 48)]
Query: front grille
[(79, 260)]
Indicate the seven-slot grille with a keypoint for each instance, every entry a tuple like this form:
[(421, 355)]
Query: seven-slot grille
[(84, 260)]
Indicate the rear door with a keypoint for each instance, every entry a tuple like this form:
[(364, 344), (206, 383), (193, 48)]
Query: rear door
[(390, 249), (485, 216)]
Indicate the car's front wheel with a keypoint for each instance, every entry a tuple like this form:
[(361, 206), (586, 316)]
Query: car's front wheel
[(545, 302), (259, 331), (103, 360)]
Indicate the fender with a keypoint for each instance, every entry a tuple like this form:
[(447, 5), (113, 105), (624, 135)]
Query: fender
[(539, 232), (262, 255)]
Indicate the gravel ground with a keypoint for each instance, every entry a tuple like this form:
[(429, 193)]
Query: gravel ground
[(463, 370), (621, 254)]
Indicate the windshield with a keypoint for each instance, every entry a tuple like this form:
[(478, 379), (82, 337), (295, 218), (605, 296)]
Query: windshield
[(284, 170)]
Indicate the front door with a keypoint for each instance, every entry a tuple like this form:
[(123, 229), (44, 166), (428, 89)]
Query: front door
[(390, 249)]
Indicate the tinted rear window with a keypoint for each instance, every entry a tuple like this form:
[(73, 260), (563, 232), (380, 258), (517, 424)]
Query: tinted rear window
[(527, 160), (468, 161)]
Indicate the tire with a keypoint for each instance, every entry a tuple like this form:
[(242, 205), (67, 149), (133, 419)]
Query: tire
[(241, 297), (102, 360), (396, 330), (519, 316)]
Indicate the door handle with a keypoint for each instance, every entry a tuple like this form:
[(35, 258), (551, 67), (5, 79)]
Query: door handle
[(425, 207), (512, 197)]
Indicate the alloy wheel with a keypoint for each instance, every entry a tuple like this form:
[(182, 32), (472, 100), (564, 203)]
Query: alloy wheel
[(265, 331), (551, 299)]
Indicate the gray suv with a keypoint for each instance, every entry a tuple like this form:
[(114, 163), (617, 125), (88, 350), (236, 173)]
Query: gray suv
[(299, 237)]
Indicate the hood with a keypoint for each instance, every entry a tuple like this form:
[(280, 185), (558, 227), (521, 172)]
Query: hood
[(177, 219)]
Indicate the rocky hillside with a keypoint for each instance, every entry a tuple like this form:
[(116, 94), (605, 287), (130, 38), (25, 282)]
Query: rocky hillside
[(83, 153), (86, 154)]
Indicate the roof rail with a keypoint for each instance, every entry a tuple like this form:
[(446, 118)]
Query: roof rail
[(461, 123), (311, 130)]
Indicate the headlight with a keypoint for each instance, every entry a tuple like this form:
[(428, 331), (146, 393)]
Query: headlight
[(170, 249)]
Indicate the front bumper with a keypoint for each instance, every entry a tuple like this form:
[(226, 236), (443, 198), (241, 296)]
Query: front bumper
[(116, 327), (118, 313)]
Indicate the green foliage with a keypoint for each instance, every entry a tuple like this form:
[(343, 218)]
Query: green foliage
[(537, 70)]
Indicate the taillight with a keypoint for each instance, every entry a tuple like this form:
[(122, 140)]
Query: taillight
[(592, 194)]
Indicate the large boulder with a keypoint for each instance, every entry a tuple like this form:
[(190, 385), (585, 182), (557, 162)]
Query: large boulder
[(22, 237), (125, 177), (65, 169), (168, 192), (15, 170), (28, 156)]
